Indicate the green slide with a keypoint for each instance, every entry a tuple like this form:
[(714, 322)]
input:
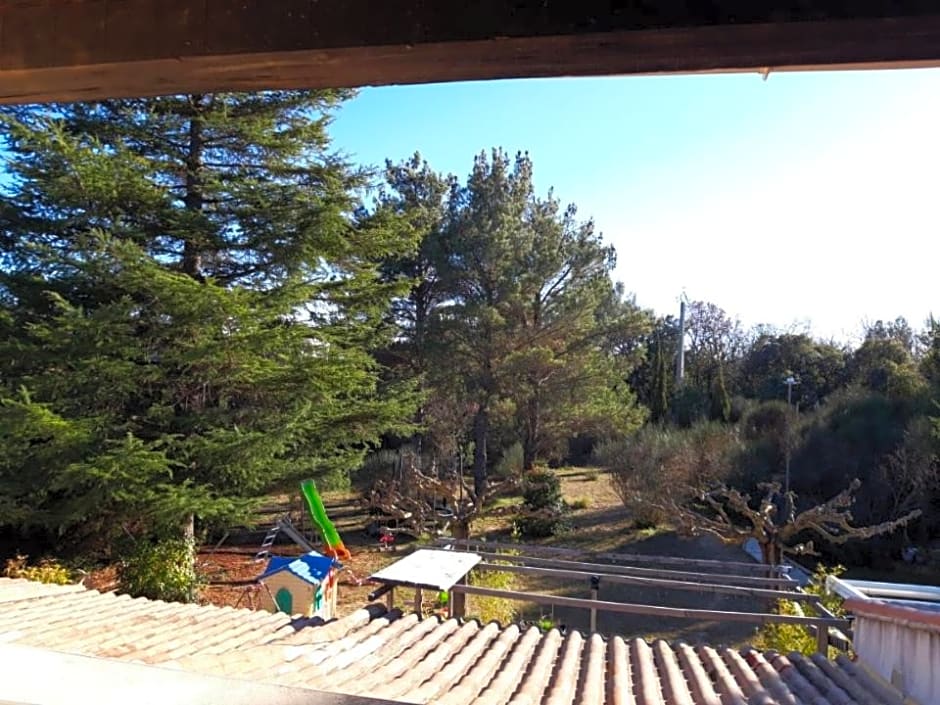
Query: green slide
[(334, 544)]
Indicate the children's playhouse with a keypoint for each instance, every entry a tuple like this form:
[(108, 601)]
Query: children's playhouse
[(305, 585)]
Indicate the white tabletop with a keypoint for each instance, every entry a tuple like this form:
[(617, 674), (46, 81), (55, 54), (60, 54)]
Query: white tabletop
[(426, 568)]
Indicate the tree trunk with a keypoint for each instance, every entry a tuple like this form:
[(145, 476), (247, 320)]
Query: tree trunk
[(481, 423), (461, 529), (770, 552), (188, 528), (194, 197), (191, 263), (532, 429)]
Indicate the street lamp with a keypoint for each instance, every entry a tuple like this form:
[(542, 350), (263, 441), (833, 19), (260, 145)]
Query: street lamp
[(790, 381)]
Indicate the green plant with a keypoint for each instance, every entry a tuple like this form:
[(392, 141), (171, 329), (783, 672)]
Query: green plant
[(786, 638), (46, 571), (164, 570), (658, 466), (545, 623), (544, 505), (541, 489), (492, 609), (511, 464), (579, 503)]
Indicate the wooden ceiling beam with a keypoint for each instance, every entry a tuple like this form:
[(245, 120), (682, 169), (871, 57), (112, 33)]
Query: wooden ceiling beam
[(61, 50)]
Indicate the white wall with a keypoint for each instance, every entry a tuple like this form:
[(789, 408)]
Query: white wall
[(903, 652)]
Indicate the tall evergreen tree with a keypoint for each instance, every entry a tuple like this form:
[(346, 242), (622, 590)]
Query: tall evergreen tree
[(416, 197), (526, 334), (659, 402), (187, 307)]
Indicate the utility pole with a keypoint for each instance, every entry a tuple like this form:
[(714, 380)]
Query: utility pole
[(680, 359)]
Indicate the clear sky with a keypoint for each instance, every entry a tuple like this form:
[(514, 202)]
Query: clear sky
[(805, 198)]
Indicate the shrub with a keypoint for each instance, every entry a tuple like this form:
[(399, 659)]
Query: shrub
[(591, 475), (46, 571), (510, 465), (541, 489), (786, 638), (640, 468), (579, 503), (164, 570), (657, 466), (541, 493)]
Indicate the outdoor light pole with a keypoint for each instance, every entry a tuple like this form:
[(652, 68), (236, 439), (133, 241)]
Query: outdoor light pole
[(789, 381)]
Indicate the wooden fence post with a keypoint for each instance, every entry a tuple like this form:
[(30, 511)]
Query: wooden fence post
[(458, 601), (595, 589)]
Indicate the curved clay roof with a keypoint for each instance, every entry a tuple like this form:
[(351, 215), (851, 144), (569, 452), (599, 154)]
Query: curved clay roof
[(402, 658)]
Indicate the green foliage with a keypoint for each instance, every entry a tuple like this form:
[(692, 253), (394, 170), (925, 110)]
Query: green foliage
[(720, 399), (772, 357), (787, 638), (659, 403), (46, 571), (544, 504), (510, 464), (658, 466), (546, 623), (512, 322), (188, 305), (541, 489), (492, 609), (161, 571), (690, 405)]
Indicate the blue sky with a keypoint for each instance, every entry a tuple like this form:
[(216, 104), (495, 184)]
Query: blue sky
[(805, 198)]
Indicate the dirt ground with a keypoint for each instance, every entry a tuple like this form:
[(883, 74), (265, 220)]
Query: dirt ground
[(604, 525)]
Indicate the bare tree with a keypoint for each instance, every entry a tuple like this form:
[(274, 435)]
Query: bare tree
[(728, 514), (433, 501)]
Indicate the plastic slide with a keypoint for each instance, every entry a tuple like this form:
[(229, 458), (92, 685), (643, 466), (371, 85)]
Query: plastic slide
[(334, 544)]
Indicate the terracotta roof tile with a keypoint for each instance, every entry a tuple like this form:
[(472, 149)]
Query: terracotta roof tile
[(401, 657)]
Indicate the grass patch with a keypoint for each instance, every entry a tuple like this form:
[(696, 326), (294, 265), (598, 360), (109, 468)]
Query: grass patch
[(501, 502)]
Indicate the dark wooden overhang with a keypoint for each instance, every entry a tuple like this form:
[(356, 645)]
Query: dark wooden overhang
[(87, 49)]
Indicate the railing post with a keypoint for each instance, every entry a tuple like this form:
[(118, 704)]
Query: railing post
[(595, 589), (390, 599), (457, 603), (822, 639)]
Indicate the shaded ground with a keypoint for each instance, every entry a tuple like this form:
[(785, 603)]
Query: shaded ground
[(604, 525)]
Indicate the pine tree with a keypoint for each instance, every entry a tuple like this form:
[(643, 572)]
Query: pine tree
[(525, 335), (187, 309)]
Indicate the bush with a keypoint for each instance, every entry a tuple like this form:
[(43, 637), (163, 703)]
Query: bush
[(161, 571), (510, 465), (786, 638), (46, 571), (541, 489), (657, 466), (637, 465), (579, 503), (541, 494)]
